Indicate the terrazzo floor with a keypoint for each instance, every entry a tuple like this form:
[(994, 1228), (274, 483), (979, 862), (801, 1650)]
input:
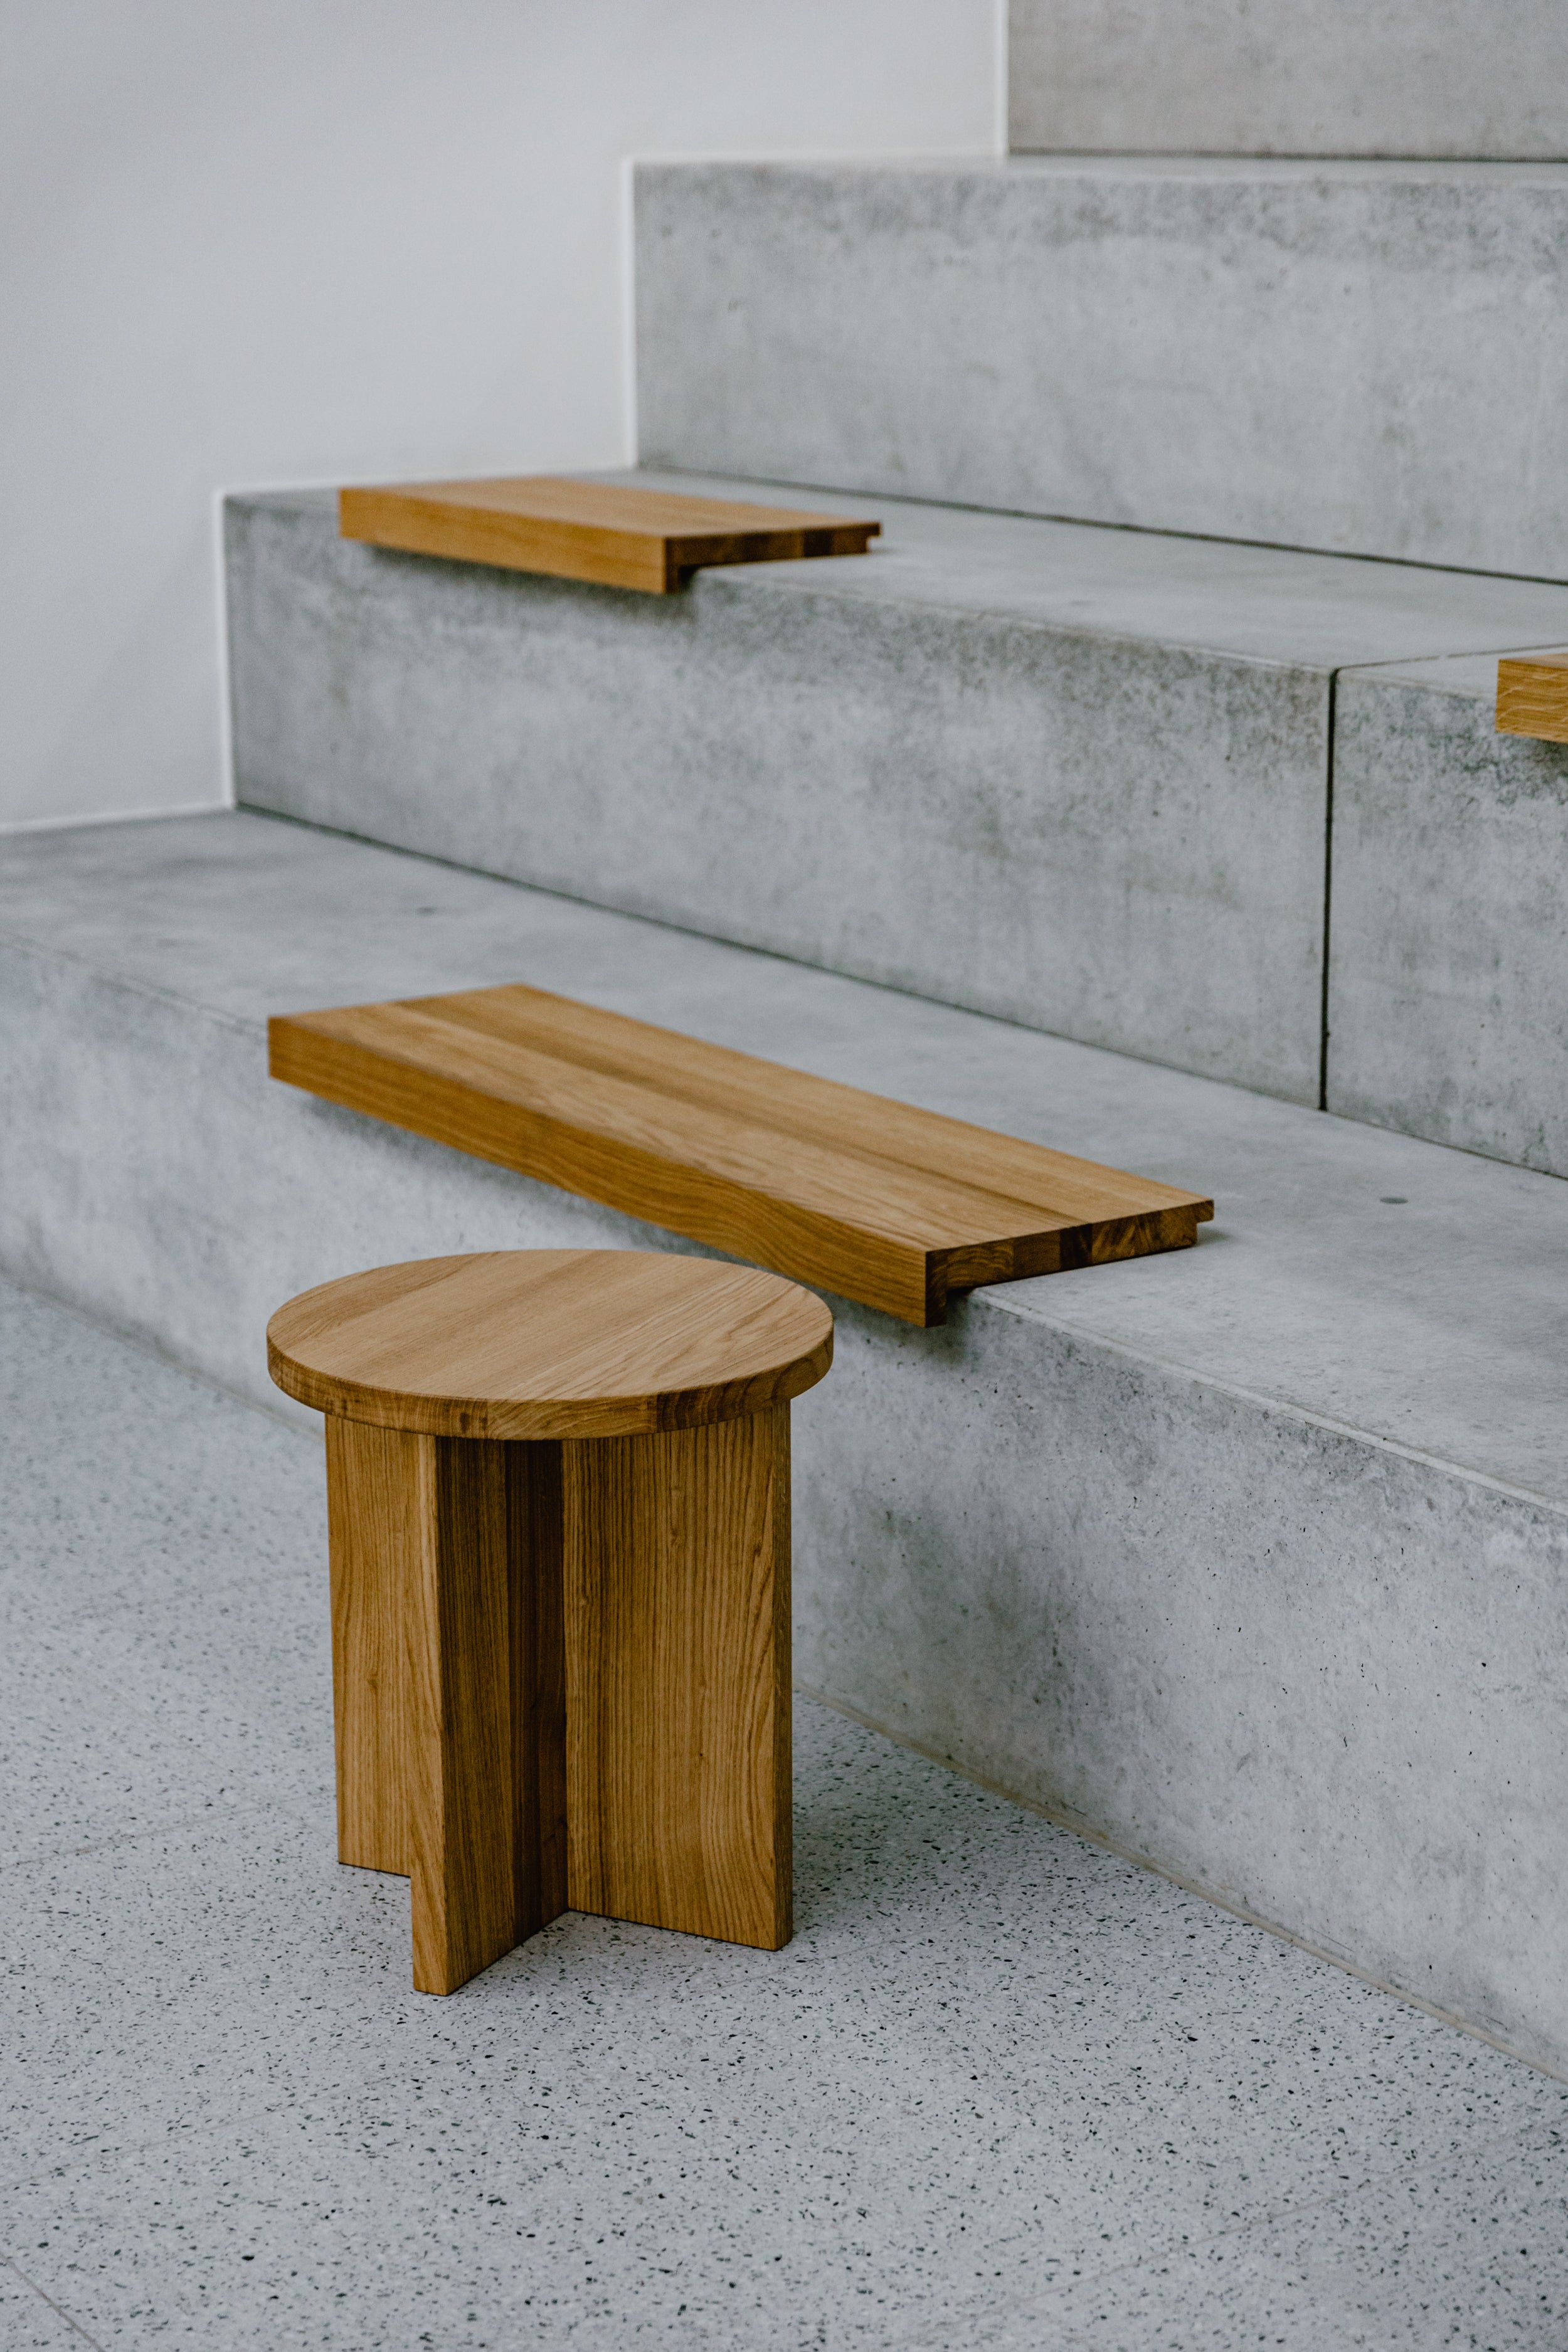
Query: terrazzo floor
[(1002, 2089)]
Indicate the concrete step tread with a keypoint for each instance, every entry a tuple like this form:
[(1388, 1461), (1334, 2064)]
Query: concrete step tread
[(1411, 1294), (1259, 604)]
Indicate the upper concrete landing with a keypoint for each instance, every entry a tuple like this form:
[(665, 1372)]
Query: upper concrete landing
[(1428, 78), (1433, 1319), (1360, 357)]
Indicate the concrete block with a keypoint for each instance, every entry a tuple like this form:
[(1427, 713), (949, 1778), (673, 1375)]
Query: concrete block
[(1364, 357), (1070, 776), (1448, 984), (1253, 1559), (1419, 78)]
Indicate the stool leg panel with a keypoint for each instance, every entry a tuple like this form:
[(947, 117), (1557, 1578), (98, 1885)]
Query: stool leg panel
[(677, 1553), (373, 1539), (461, 1800), (537, 1682), (606, 1640), (782, 1714)]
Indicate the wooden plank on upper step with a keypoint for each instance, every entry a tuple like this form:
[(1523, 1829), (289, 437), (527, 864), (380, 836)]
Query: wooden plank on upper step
[(615, 533)]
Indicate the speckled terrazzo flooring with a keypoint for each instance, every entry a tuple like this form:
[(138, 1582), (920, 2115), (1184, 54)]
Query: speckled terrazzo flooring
[(1002, 2089)]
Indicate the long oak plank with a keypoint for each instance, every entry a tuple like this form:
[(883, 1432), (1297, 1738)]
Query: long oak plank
[(875, 1200)]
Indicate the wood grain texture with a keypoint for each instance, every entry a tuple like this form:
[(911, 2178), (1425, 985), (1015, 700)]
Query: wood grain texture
[(461, 1785), (874, 1199), (544, 1343), (617, 534), (537, 1629), (449, 1672), (375, 1534), (678, 1653), (561, 1665), (1532, 698)]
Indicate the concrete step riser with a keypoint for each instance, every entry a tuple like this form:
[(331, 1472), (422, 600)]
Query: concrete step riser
[(1088, 829), (1295, 1663), (1361, 358), (1448, 963), (1450, 78), (1122, 843), (1261, 1650)]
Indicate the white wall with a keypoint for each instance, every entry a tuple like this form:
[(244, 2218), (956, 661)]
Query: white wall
[(267, 241)]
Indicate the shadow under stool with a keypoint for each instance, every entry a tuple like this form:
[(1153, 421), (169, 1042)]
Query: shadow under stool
[(558, 1507)]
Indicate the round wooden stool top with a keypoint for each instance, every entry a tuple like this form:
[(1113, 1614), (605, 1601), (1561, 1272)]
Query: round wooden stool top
[(550, 1343)]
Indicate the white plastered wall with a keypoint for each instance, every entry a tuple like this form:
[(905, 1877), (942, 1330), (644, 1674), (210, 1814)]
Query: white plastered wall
[(266, 241)]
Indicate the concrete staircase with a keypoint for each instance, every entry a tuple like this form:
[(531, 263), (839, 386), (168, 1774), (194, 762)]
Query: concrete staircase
[(1142, 841), (1252, 1558)]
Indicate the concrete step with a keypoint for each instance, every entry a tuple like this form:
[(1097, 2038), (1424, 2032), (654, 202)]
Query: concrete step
[(1448, 957), (1252, 1558), (1362, 357), (1419, 78), (1072, 776)]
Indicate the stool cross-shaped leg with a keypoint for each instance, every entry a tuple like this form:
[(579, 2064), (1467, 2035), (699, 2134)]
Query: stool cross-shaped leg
[(561, 1675)]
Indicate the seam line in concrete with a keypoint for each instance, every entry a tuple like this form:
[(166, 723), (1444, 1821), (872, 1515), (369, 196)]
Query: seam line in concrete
[(1328, 889), (23, 945), (1473, 652), (33, 2286), (19, 824)]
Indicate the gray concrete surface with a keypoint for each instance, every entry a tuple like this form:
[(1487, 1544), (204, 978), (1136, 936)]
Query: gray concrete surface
[(1420, 77), (1002, 2089), (1368, 357), (1073, 776), (1251, 1558), (1449, 991)]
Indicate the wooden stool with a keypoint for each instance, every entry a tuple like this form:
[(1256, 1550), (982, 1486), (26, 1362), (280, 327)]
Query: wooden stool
[(558, 1504)]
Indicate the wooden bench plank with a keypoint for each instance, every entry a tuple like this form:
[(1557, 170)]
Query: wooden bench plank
[(873, 1199), (614, 533), (1532, 698)]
